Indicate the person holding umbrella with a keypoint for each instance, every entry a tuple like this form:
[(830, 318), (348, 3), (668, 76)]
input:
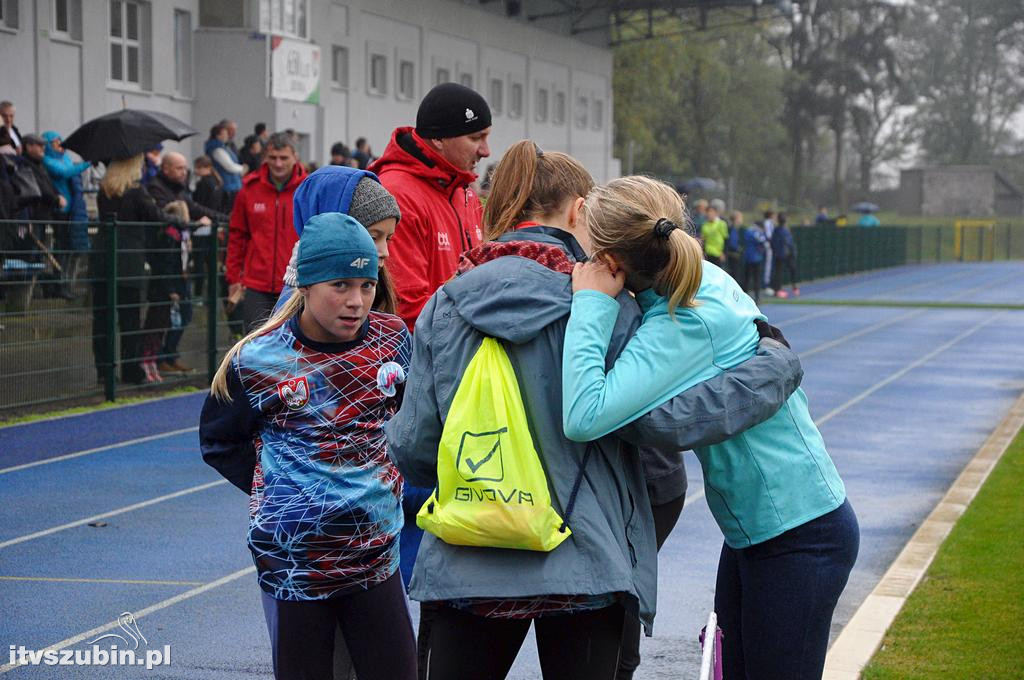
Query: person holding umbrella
[(120, 139), (867, 218)]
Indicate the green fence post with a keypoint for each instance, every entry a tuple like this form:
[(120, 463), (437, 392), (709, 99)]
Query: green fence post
[(212, 297), (110, 379)]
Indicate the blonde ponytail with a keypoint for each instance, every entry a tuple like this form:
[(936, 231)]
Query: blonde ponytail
[(622, 215), (219, 386)]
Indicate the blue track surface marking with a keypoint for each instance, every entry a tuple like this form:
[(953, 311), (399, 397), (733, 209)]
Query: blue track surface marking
[(904, 397)]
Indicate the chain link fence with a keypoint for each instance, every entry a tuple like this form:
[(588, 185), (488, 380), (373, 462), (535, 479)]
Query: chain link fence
[(109, 309)]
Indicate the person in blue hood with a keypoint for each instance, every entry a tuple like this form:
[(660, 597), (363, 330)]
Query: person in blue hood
[(336, 188), (359, 194), (66, 175)]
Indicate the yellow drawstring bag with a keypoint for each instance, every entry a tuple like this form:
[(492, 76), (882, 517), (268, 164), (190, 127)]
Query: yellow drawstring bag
[(491, 487)]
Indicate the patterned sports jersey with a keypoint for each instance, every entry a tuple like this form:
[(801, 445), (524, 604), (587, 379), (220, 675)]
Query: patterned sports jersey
[(325, 507)]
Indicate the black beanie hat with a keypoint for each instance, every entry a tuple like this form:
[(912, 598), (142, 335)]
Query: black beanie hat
[(451, 110)]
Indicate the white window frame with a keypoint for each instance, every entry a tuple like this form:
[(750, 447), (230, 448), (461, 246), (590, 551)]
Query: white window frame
[(125, 43), (516, 99), (373, 57), (496, 94), (184, 81), (403, 89), (596, 113), (10, 15), (340, 76), (72, 30), (275, 15), (581, 111), (559, 107), (541, 104)]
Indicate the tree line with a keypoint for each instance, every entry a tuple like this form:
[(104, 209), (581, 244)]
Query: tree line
[(805, 107)]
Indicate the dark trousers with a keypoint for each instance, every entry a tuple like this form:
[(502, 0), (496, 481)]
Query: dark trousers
[(775, 600), (752, 280), (375, 622), (784, 266), (582, 646), (256, 307), (160, 342), (665, 517), (129, 321)]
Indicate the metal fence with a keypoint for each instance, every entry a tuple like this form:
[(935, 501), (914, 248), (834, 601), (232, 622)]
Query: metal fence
[(59, 343), (825, 251), (60, 282)]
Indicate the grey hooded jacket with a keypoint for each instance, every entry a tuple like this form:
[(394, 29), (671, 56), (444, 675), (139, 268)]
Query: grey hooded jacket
[(611, 549)]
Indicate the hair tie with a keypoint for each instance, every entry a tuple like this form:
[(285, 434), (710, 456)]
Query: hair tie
[(663, 227)]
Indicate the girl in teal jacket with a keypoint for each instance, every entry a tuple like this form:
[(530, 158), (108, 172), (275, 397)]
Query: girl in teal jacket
[(791, 537)]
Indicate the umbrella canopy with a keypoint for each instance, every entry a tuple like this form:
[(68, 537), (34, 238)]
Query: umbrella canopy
[(864, 207), (695, 184), (125, 133)]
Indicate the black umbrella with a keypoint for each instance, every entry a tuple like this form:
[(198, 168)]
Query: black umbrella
[(864, 207), (696, 184), (125, 133)]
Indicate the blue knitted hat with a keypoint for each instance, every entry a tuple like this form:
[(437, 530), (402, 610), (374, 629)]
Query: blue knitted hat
[(335, 246)]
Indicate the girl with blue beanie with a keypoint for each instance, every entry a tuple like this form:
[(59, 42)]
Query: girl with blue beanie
[(307, 395), (791, 537)]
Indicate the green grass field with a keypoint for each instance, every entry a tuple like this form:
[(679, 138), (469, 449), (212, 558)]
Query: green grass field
[(965, 621)]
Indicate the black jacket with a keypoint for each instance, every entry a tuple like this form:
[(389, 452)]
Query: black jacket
[(164, 191), (209, 193), (45, 206), (135, 205)]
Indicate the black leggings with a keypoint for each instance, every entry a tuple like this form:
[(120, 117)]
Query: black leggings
[(665, 517), (582, 646), (375, 623)]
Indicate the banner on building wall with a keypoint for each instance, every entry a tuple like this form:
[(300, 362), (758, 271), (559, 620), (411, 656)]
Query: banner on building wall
[(294, 70)]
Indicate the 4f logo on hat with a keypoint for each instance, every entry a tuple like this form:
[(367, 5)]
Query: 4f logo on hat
[(470, 115), (294, 392), (359, 262)]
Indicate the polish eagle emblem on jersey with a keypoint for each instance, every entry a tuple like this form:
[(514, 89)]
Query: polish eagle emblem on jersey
[(388, 376), (294, 392)]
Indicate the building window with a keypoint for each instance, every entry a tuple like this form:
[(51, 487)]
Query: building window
[(406, 79), (541, 105), (582, 106), (339, 66), (183, 53), (466, 79), (497, 95), (229, 14), (67, 19), (283, 17), (515, 104), (378, 74), (597, 114), (9, 13), (558, 115), (126, 41), (442, 75)]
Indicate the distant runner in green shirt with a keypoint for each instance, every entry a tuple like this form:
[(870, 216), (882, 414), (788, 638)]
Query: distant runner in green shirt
[(714, 233)]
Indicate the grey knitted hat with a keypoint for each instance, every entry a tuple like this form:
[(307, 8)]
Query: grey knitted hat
[(371, 203)]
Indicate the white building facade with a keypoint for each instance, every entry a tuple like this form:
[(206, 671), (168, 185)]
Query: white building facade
[(331, 70)]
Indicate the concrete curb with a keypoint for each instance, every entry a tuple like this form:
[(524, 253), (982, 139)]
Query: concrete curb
[(863, 635)]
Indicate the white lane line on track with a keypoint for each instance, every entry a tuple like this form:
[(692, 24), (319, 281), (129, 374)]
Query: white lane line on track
[(99, 630), (903, 371), (112, 513), (856, 334), (98, 449), (117, 581)]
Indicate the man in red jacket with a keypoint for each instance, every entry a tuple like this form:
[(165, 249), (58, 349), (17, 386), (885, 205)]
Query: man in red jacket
[(428, 169), (261, 235)]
